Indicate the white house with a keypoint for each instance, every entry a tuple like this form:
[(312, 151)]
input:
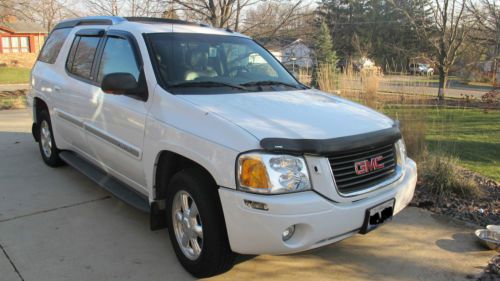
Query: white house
[(296, 54)]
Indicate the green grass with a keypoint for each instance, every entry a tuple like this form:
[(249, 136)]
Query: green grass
[(14, 75), (471, 135), (468, 134)]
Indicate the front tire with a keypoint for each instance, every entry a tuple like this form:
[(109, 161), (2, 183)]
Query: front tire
[(46, 143), (196, 224)]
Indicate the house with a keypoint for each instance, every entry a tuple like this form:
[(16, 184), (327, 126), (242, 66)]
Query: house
[(294, 55), (20, 41)]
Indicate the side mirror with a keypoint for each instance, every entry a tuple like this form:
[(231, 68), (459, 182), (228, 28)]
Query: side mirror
[(120, 83)]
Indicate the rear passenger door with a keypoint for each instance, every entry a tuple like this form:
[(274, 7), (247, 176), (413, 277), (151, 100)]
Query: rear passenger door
[(116, 130), (74, 95)]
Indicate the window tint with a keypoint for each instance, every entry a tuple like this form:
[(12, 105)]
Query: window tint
[(190, 58), (52, 46), (82, 56), (118, 56)]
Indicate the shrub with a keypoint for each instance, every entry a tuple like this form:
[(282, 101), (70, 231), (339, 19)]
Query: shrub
[(12, 103), (442, 175), (490, 99)]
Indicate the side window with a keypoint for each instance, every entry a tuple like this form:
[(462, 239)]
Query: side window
[(53, 44), (118, 56), (81, 56)]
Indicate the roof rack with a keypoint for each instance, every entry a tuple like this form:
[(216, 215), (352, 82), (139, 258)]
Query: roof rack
[(111, 20), (98, 20), (163, 20)]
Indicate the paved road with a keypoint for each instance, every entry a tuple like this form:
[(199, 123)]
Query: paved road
[(57, 225), (416, 88)]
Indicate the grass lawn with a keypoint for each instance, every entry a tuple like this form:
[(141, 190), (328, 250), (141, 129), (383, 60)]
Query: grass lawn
[(14, 75), (470, 134)]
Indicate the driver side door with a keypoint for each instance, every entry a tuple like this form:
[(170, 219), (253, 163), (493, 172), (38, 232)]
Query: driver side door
[(115, 131)]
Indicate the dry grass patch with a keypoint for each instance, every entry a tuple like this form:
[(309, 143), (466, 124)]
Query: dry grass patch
[(327, 78), (442, 175), (12, 103)]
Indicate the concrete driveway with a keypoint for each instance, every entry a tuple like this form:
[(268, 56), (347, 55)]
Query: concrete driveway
[(55, 224)]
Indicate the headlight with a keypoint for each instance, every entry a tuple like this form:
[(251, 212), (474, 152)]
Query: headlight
[(401, 152), (271, 173)]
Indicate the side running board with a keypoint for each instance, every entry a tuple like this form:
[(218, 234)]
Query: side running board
[(117, 188)]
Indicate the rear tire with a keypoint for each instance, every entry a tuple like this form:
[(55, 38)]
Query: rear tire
[(196, 224), (46, 143)]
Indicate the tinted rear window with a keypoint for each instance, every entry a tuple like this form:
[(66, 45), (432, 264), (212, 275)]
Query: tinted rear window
[(82, 51), (53, 45)]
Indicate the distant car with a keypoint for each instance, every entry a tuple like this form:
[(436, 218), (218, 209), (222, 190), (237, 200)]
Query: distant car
[(420, 69)]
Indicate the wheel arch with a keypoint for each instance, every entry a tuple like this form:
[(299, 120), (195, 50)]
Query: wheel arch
[(168, 163), (38, 106)]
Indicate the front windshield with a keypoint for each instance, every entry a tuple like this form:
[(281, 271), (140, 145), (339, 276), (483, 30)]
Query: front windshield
[(198, 63)]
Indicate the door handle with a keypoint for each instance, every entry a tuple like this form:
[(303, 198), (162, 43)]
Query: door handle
[(57, 88)]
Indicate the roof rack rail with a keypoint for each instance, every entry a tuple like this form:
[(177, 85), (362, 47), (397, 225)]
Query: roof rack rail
[(98, 20), (163, 20), (111, 20)]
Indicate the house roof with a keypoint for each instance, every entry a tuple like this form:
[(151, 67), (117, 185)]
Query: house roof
[(22, 27), (296, 42), (281, 43)]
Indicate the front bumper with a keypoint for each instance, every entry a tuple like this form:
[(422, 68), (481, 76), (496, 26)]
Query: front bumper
[(318, 220)]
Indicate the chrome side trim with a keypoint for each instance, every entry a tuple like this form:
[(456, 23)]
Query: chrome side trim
[(96, 132), (69, 118), (128, 148)]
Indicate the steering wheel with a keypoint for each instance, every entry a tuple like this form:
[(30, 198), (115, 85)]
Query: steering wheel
[(237, 70)]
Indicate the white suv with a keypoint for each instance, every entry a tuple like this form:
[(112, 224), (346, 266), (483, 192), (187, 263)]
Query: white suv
[(204, 129)]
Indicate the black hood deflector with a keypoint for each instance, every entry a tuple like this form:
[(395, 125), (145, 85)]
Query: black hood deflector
[(334, 145)]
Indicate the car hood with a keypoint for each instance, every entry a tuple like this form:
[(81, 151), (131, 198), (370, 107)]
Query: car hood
[(304, 114)]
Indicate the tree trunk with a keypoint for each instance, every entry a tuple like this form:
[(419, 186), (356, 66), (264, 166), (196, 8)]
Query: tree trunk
[(238, 11), (442, 83), (443, 71)]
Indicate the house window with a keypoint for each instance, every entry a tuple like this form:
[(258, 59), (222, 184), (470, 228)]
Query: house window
[(15, 44)]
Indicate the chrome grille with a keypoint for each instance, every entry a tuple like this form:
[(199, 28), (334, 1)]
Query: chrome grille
[(344, 172)]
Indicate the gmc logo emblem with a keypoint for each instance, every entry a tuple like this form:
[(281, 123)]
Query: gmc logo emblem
[(366, 166)]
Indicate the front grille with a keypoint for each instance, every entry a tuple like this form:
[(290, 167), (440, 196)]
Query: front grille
[(344, 171)]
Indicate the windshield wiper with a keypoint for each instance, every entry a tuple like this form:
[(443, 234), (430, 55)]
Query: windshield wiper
[(206, 84), (269, 83)]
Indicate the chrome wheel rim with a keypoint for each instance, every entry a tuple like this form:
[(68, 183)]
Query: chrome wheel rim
[(187, 225), (46, 139)]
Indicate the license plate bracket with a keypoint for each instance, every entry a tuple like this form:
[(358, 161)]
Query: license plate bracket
[(377, 215)]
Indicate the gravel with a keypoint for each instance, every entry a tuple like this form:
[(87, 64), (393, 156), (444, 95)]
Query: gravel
[(492, 270), (481, 211)]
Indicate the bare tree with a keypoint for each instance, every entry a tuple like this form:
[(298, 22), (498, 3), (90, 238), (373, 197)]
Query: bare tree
[(487, 30), (219, 13), (105, 7), (146, 8), (446, 32), (275, 19), (45, 12), (49, 12)]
